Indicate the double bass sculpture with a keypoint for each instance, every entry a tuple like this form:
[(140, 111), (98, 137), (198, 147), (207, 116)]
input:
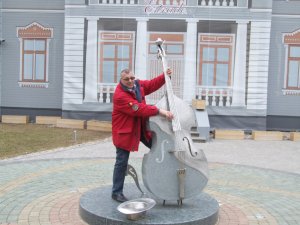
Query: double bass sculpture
[(173, 169)]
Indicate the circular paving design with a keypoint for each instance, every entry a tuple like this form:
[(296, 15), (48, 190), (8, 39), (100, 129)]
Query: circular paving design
[(47, 192)]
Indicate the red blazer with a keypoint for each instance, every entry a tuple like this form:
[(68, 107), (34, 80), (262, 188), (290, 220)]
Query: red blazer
[(129, 116)]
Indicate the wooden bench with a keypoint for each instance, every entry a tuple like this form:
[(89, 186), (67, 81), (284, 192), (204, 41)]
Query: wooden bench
[(295, 136), (47, 120), (70, 123), (230, 134), (97, 125), (18, 119), (267, 135)]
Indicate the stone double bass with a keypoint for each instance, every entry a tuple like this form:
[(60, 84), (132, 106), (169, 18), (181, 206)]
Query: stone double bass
[(173, 169)]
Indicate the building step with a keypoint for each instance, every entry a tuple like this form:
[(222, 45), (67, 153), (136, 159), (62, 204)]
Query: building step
[(48, 120), (16, 119), (295, 136), (267, 135), (229, 134), (97, 125), (71, 123)]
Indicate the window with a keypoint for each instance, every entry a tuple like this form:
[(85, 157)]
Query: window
[(116, 54), (215, 60), (115, 57), (34, 40), (292, 69)]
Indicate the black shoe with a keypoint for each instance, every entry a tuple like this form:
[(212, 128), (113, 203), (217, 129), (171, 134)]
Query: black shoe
[(119, 197)]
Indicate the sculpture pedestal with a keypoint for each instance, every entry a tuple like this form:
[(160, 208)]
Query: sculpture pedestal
[(97, 208)]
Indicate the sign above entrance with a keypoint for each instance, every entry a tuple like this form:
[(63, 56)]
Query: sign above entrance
[(165, 7)]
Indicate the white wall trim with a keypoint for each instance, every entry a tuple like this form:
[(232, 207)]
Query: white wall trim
[(286, 16), (33, 11)]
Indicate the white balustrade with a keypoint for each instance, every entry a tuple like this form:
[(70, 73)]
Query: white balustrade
[(113, 2), (215, 96), (207, 97), (100, 88), (106, 91), (229, 94), (206, 3), (221, 98), (210, 3)]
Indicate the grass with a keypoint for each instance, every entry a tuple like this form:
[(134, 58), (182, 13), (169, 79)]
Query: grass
[(19, 139)]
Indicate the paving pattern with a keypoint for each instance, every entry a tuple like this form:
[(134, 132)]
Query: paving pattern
[(47, 191)]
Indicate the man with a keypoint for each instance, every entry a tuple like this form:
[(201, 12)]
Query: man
[(129, 118)]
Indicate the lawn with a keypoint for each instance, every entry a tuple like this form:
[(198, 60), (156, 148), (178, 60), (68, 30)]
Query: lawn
[(18, 139)]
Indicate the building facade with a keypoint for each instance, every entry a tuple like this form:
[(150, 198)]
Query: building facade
[(241, 56)]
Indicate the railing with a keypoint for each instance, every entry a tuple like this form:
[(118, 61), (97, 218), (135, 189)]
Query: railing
[(230, 3), (201, 3), (114, 2), (215, 96), (138, 2), (106, 91)]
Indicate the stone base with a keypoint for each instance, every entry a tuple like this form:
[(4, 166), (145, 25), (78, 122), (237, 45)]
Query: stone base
[(97, 208)]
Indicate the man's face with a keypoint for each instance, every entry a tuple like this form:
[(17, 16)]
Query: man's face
[(127, 79)]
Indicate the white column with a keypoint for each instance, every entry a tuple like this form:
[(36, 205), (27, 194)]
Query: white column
[(190, 64), (141, 49), (91, 72), (239, 77)]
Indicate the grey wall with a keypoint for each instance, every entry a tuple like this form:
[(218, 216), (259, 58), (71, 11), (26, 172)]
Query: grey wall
[(16, 96), (0, 54), (76, 2), (286, 7), (34, 4), (261, 4), (279, 104)]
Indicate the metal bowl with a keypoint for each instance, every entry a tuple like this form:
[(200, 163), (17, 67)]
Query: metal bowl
[(137, 208)]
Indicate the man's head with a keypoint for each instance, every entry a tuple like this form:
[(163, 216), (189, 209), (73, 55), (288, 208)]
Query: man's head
[(127, 78)]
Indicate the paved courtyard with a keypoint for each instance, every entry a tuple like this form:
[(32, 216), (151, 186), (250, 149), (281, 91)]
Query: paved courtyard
[(255, 182)]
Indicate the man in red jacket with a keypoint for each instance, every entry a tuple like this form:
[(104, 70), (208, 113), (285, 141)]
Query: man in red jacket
[(129, 118)]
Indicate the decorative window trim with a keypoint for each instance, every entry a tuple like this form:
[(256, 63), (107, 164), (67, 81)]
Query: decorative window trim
[(33, 84), (34, 31), (288, 40), (290, 92)]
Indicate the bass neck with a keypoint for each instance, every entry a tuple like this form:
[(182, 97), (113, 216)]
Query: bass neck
[(170, 98)]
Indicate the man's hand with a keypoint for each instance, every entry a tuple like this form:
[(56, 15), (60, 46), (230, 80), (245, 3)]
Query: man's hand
[(169, 115), (169, 72)]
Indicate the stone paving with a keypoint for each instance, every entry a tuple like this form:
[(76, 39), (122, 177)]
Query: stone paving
[(45, 188)]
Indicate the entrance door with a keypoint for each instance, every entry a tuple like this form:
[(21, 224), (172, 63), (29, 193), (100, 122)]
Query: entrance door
[(174, 48)]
